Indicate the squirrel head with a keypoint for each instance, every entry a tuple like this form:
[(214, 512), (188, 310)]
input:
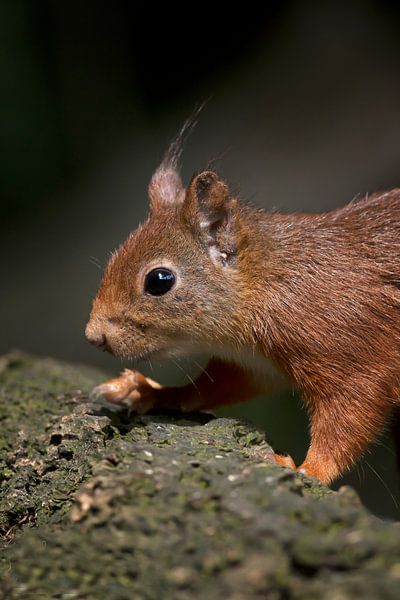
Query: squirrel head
[(172, 286)]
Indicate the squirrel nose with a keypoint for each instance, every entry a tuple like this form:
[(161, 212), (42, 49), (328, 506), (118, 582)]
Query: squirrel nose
[(96, 336), (100, 341)]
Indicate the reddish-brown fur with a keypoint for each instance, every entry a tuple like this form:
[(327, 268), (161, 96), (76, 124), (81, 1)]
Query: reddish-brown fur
[(318, 295)]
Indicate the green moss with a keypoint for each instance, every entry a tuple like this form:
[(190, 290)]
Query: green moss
[(96, 505)]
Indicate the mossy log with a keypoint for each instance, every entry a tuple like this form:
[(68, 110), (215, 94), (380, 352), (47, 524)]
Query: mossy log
[(96, 504)]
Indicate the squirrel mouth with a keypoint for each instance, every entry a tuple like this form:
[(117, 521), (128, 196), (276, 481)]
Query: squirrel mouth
[(107, 348)]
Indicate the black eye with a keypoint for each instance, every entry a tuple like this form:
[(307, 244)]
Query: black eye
[(159, 281)]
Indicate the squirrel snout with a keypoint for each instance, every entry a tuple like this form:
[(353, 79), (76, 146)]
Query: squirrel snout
[(99, 342), (97, 337)]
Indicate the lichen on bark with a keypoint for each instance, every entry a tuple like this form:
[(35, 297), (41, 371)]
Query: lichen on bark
[(96, 504)]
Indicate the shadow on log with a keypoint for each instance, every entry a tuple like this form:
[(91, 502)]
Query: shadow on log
[(95, 505)]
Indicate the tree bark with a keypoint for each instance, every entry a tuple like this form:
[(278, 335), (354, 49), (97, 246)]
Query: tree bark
[(95, 504)]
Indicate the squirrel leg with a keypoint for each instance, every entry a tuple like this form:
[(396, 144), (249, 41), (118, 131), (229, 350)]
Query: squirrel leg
[(220, 383), (340, 432)]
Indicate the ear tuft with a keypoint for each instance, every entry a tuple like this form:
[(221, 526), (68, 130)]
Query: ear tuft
[(165, 187)]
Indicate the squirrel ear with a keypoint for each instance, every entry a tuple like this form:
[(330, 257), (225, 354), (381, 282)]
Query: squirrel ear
[(210, 209), (165, 187)]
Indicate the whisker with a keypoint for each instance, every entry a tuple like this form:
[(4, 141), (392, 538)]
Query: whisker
[(357, 472), (186, 374), (360, 472), (211, 165), (203, 370), (95, 261), (385, 446), (385, 485)]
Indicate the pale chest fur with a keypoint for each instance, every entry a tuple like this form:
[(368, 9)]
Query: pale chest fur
[(256, 363)]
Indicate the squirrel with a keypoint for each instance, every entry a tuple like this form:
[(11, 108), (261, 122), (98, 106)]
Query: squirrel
[(312, 299)]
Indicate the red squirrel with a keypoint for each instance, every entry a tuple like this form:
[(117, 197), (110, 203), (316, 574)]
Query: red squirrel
[(313, 299)]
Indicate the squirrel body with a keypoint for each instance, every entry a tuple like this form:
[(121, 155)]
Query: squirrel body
[(312, 297)]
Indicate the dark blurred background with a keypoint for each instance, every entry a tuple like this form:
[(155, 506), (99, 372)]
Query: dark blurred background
[(304, 114)]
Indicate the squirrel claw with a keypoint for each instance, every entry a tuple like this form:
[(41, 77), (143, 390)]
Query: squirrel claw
[(130, 389), (117, 389)]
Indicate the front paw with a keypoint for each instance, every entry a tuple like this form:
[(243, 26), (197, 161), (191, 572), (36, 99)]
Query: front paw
[(284, 460), (131, 389)]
